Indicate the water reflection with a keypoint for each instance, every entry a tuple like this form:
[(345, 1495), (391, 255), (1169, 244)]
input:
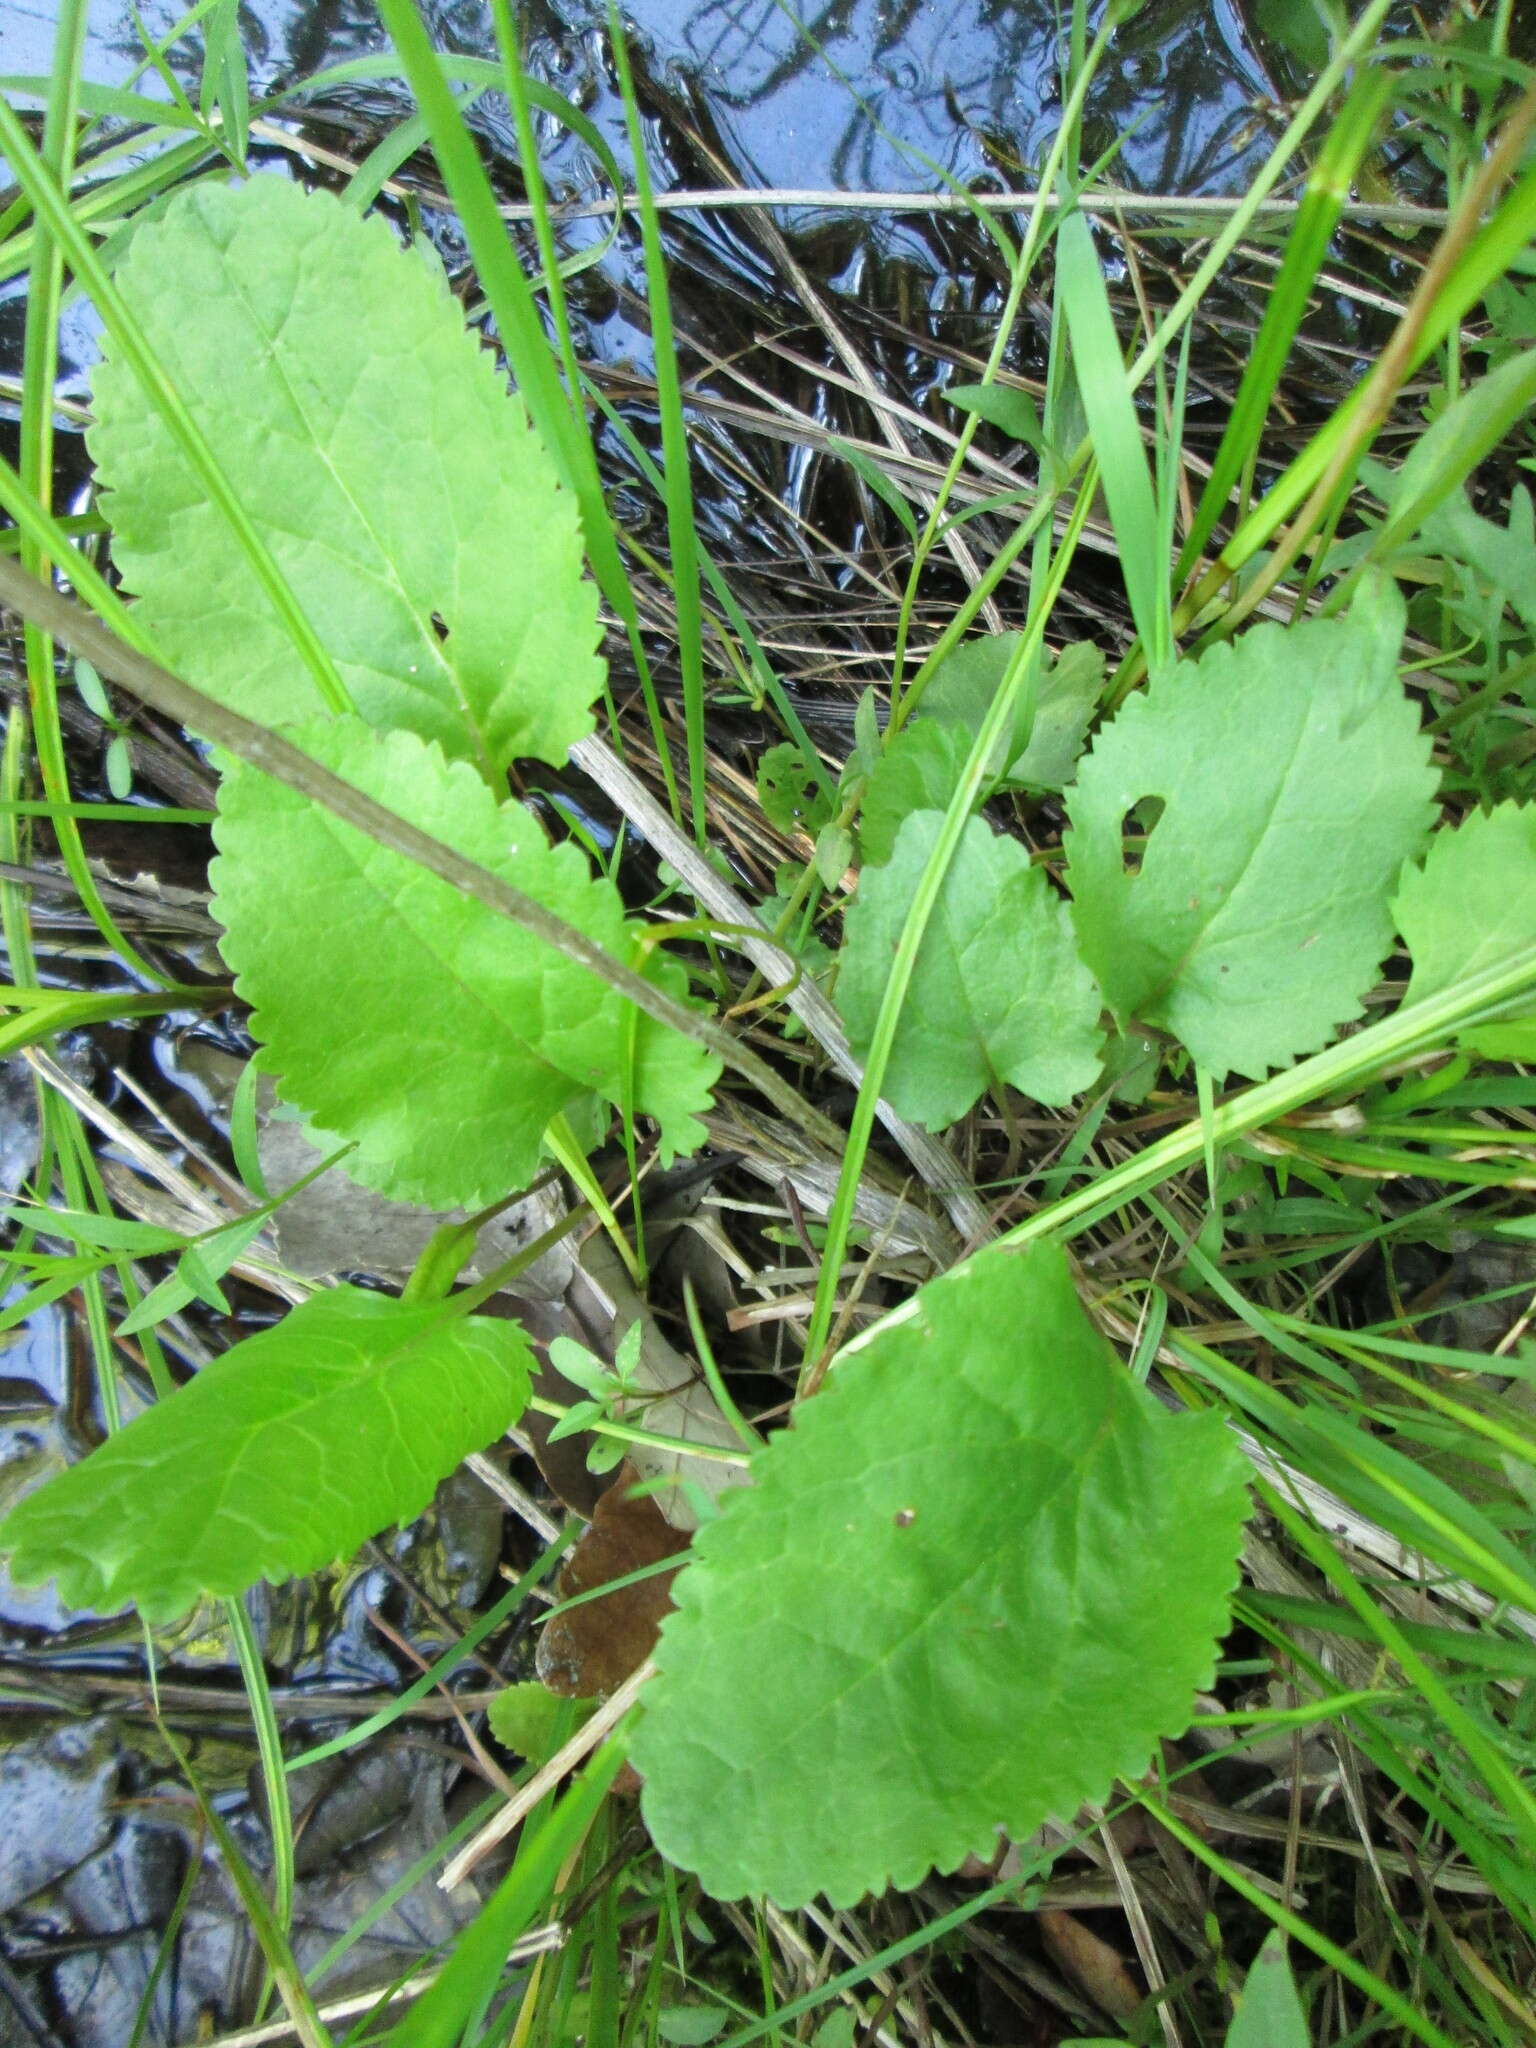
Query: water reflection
[(887, 94)]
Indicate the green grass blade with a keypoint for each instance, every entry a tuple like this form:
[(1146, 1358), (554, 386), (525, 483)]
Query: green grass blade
[(307, 2023), (485, 1625), (1328, 187), (925, 900), (522, 336), (676, 483), (40, 367), (269, 1747), (1415, 1028), (1365, 1981), (527, 1890), (1501, 242), (1115, 434)]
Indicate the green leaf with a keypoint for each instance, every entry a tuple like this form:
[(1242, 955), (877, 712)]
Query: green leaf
[(998, 993), (1269, 2013), (1294, 784), (1102, 384), (84, 1227), (884, 1652), (1005, 406), (1300, 27), (835, 2031), (875, 479), (962, 688), (1453, 445), (1504, 557), (921, 767), (468, 1980), (167, 1299), (528, 1719), (834, 850), (409, 1019), (790, 792), (277, 1458), (576, 1419), (919, 771), (583, 1368), (1469, 907), (691, 2026), (380, 457)]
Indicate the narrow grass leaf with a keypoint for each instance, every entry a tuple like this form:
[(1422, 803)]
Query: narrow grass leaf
[(520, 330), (865, 1631), (1500, 243), (278, 1457), (1328, 187), (677, 486), (132, 345), (1115, 431), (529, 1889)]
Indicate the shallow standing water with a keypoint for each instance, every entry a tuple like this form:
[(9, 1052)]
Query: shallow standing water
[(889, 95)]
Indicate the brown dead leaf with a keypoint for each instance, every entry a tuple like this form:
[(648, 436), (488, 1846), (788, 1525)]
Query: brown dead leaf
[(1098, 1970), (588, 1652)]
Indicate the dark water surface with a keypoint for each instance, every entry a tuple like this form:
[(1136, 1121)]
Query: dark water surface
[(847, 95), (888, 95)]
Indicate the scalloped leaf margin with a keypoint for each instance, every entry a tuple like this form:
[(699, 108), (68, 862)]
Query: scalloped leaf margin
[(974, 1583), (381, 459), (435, 1035)]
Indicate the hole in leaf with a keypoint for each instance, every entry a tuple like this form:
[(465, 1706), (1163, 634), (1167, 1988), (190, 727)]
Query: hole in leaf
[(1136, 828)]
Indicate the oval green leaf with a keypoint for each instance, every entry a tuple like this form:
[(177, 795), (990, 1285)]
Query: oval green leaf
[(1294, 783), (974, 1583), (998, 993), (435, 1035), (380, 458), (285, 1453)]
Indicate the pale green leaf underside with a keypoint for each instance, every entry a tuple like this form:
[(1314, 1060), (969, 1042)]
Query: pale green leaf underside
[(921, 767), (1295, 784), (380, 458), (1269, 2010), (962, 688), (976, 1580), (1470, 908), (411, 1020), (280, 1456), (998, 993)]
